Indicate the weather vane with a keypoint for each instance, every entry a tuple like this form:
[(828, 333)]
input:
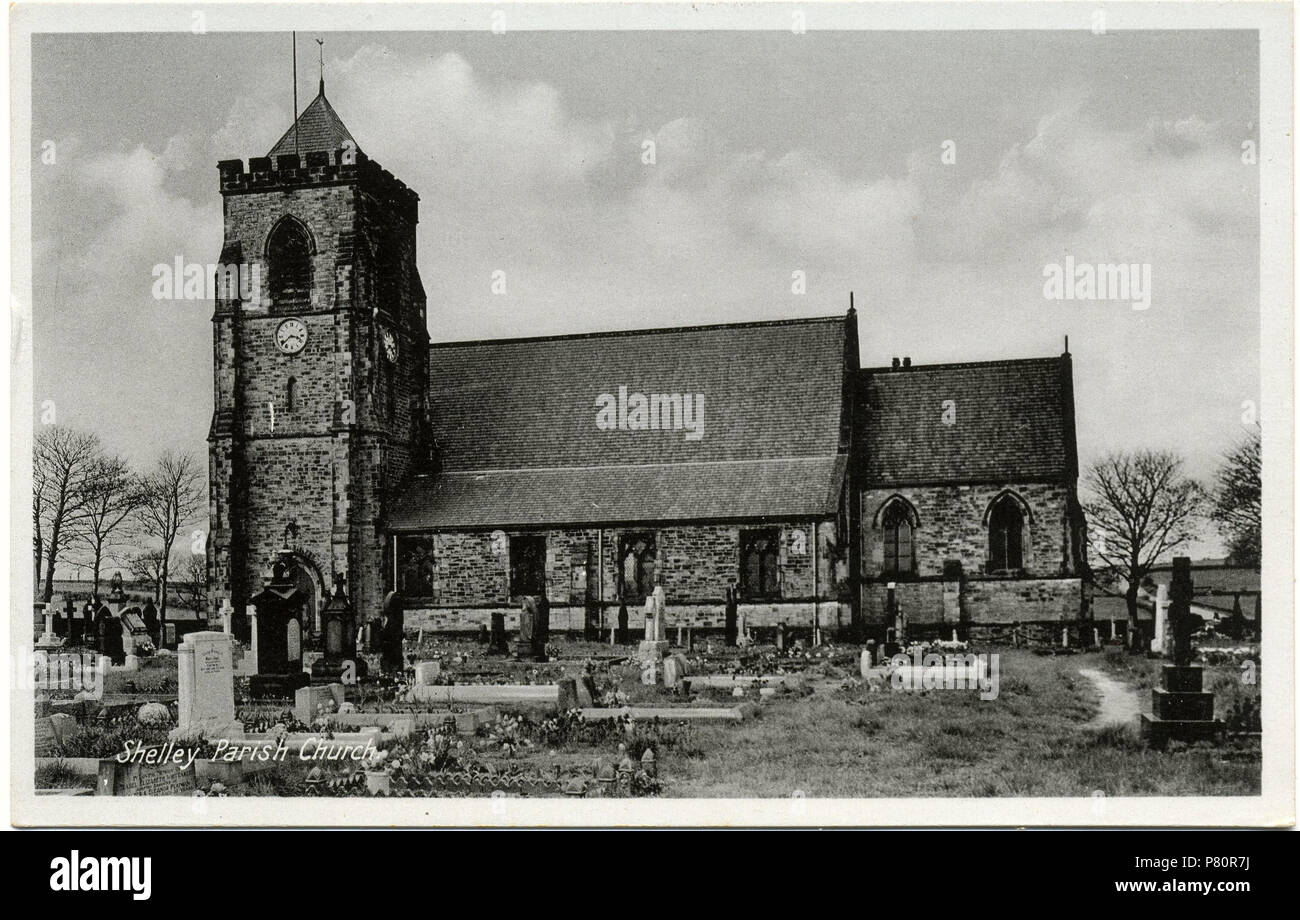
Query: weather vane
[(320, 42)]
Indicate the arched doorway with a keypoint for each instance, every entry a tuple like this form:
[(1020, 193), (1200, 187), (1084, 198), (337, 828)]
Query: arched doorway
[(306, 580)]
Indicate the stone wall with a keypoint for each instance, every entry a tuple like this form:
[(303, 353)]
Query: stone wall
[(567, 618), (695, 564), (980, 600), (951, 526)]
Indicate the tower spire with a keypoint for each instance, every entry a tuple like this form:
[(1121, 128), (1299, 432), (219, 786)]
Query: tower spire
[(321, 43)]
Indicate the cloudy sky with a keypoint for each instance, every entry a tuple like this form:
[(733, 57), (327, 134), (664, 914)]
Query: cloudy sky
[(774, 153)]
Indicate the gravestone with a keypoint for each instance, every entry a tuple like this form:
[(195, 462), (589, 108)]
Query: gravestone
[(655, 645), (568, 694), (729, 624), (313, 702), (676, 669), (1160, 621), (205, 677), (427, 673), (278, 624), (76, 628), (338, 624), (153, 779), (110, 637), (497, 644), (588, 695), (1182, 709), (534, 616), (392, 635), (47, 744), (149, 615), (48, 640)]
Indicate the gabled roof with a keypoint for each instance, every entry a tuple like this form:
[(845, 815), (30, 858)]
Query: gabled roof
[(1010, 420), (516, 425), (319, 130)]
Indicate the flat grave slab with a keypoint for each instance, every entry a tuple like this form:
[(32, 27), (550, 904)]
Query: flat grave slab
[(674, 714)]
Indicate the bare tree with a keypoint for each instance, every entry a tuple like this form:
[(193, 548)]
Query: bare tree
[(194, 584), (1141, 508), (146, 569), (64, 465), (173, 495), (114, 495), (1237, 501)]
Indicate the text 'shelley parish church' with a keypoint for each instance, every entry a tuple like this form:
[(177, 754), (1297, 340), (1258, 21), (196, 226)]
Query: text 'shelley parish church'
[(753, 457)]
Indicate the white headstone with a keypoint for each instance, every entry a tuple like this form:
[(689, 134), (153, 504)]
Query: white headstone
[(227, 613), (676, 668), (206, 686), (1162, 609), (426, 672), (661, 614), (251, 612), (865, 665)]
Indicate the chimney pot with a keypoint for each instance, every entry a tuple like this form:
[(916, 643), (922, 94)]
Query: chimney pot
[(907, 362), (895, 364)]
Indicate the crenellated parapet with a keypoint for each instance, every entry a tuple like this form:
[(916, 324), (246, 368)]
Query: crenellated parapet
[(338, 167)]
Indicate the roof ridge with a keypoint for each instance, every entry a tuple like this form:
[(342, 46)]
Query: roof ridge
[(631, 466), (612, 333), (997, 362)]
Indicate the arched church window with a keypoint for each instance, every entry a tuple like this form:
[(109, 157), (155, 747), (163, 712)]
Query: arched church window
[(289, 254), (1006, 534), (290, 394), (900, 548)]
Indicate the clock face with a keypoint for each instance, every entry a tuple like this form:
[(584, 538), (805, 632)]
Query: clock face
[(291, 336), (390, 346)]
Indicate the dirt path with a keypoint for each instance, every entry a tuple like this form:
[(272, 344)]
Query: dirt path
[(1119, 703)]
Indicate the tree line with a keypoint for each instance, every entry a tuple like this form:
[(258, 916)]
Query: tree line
[(89, 504), (1143, 506)]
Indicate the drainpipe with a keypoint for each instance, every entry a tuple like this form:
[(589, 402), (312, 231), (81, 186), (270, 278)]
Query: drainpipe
[(817, 537)]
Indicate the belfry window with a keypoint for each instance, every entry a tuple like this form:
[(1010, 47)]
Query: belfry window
[(289, 254), (290, 394), (1006, 535)]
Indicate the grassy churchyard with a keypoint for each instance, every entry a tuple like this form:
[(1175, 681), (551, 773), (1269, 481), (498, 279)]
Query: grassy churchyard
[(772, 724)]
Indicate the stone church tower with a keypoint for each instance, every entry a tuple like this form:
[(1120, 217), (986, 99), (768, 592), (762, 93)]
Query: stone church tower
[(320, 366)]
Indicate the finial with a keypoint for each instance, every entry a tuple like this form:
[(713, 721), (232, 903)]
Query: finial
[(321, 49)]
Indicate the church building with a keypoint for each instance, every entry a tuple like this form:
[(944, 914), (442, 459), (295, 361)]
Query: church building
[(754, 461)]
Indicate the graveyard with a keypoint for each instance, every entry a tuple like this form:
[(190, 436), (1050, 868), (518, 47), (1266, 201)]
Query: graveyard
[(777, 713)]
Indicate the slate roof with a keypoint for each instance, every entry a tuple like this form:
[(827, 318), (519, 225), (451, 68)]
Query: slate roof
[(515, 421), (319, 130), (1014, 420)]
